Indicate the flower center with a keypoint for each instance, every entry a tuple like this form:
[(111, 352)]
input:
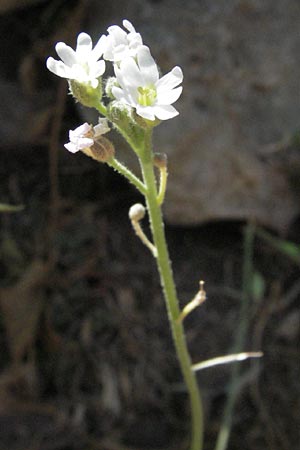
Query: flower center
[(147, 95)]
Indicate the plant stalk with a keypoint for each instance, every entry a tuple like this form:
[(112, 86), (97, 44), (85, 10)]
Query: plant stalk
[(168, 285)]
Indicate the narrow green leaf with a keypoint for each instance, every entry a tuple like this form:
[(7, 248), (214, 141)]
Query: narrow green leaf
[(10, 208)]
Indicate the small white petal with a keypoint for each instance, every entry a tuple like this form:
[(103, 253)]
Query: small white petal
[(97, 69), (71, 147), (131, 74), (119, 76), (117, 92), (66, 53), (147, 66), (117, 33), (123, 96), (168, 97), (85, 142), (84, 43), (165, 112), (57, 67), (102, 127), (128, 25), (135, 41), (81, 130), (77, 72), (94, 83), (170, 80), (99, 48), (146, 112)]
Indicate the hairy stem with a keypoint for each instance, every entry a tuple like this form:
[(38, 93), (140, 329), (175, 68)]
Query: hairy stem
[(123, 170), (167, 281)]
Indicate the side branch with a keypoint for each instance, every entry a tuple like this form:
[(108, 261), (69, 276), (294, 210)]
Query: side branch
[(123, 170), (137, 213)]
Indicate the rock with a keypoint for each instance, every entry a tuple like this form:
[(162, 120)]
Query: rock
[(240, 102)]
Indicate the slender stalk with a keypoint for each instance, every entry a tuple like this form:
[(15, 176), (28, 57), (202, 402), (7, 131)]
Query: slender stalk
[(123, 170), (167, 281), (162, 185)]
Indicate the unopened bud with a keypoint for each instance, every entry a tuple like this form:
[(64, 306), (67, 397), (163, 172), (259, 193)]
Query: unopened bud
[(137, 212), (110, 83), (160, 160)]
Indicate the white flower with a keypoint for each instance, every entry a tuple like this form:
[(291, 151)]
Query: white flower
[(81, 64), (84, 135), (142, 89), (120, 44)]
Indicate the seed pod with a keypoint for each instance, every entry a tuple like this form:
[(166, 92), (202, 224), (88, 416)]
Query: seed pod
[(102, 150)]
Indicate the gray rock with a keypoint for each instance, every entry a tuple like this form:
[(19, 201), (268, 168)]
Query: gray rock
[(241, 61)]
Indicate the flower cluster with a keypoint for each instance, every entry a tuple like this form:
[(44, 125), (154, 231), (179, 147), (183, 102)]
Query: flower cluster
[(136, 83)]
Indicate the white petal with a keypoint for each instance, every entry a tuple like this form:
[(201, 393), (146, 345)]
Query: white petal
[(147, 112), (77, 73), (119, 76), (71, 147), (84, 46), (81, 130), (99, 48), (97, 69), (170, 80), (66, 53), (58, 67), (168, 97), (117, 34), (120, 52), (85, 142), (147, 65), (131, 75), (102, 127), (128, 25), (165, 112), (123, 96), (134, 40), (117, 92), (94, 83)]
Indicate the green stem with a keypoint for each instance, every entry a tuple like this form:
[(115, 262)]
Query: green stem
[(123, 170), (167, 281), (101, 108)]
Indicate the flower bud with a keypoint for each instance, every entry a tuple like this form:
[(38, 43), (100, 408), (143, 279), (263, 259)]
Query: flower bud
[(110, 83), (137, 212), (160, 160), (86, 94), (119, 113)]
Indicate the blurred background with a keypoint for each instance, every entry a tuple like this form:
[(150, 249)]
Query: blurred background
[(87, 360)]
